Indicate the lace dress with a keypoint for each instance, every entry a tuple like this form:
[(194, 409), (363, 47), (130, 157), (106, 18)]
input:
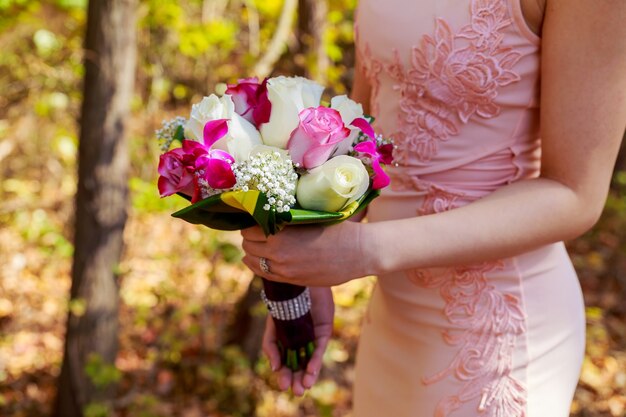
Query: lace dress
[(456, 84)]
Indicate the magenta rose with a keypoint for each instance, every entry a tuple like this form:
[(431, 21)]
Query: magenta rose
[(318, 134), (212, 165), (176, 168), (251, 100)]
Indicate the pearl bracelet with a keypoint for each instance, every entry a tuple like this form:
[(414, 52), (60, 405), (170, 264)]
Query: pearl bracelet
[(289, 309)]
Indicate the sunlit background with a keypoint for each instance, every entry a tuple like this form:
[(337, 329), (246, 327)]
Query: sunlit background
[(180, 283)]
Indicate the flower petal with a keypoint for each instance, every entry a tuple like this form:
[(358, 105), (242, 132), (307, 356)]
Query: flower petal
[(380, 179), (214, 130), (365, 127), (367, 147), (219, 174), (166, 187)]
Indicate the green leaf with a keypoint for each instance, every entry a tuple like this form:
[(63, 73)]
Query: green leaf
[(214, 213), (179, 135)]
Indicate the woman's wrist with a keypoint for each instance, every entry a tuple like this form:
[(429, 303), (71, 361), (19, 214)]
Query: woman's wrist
[(374, 257)]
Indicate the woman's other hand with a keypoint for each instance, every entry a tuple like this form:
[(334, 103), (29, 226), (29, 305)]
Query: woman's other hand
[(322, 311)]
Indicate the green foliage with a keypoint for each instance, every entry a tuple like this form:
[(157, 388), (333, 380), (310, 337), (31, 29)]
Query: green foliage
[(72, 4), (233, 375), (145, 197), (146, 405), (179, 283), (38, 227), (97, 409), (101, 373)]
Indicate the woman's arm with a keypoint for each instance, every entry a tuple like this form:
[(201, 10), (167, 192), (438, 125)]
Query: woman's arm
[(361, 89), (583, 114)]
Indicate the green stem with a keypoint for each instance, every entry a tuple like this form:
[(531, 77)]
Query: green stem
[(297, 359)]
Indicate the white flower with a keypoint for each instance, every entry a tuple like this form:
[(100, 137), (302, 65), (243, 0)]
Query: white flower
[(349, 110), (210, 108), (288, 95), (333, 185), (242, 135), (168, 130), (270, 171)]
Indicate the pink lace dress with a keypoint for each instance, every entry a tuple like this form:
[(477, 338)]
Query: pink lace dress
[(456, 84)]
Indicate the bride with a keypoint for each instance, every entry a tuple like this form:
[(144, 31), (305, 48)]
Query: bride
[(507, 116)]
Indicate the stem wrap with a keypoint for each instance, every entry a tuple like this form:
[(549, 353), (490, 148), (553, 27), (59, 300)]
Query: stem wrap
[(296, 338)]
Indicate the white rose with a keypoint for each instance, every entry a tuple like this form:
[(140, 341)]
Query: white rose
[(333, 185), (242, 136), (288, 95), (349, 110)]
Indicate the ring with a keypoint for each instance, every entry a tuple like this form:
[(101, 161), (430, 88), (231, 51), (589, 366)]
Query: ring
[(264, 266)]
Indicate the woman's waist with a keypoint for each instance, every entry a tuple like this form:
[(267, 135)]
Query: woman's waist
[(470, 177), (411, 195), (525, 272)]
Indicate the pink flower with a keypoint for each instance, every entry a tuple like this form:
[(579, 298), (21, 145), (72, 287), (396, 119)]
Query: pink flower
[(183, 169), (251, 100), (177, 173), (376, 155), (319, 132), (211, 165)]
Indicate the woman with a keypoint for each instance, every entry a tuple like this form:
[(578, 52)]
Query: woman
[(477, 310)]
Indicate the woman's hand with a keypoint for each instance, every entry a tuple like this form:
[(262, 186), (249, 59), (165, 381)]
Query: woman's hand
[(322, 311), (316, 256)]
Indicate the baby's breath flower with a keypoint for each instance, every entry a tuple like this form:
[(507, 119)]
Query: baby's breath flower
[(167, 133), (272, 174)]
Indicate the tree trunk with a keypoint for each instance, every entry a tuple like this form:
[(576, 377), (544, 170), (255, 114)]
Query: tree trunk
[(246, 328), (276, 47), (312, 16), (101, 203)]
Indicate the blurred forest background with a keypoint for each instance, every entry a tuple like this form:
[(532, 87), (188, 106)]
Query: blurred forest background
[(180, 285)]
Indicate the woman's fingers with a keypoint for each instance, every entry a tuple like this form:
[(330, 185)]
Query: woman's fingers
[(299, 381), (285, 377), (315, 363), (254, 234), (296, 384), (270, 348)]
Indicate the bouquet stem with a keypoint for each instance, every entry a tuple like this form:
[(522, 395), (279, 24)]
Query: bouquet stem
[(295, 332)]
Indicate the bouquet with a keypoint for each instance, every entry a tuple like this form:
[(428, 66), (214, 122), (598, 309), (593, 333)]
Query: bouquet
[(269, 153)]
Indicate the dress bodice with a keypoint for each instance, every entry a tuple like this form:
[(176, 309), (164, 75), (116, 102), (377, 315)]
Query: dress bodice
[(456, 85)]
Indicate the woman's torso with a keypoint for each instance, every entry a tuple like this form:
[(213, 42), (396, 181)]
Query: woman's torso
[(456, 84), (458, 91)]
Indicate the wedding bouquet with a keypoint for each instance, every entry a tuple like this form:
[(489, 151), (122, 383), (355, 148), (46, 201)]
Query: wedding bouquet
[(269, 153)]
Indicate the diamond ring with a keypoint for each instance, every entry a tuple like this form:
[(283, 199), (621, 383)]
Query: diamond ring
[(264, 266)]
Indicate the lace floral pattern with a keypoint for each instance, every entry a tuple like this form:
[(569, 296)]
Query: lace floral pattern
[(438, 200), (448, 79), (491, 322), (446, 83)]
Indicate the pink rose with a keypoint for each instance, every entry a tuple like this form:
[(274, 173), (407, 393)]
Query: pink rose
[(177, 173), (251, 100), (319, 132)]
